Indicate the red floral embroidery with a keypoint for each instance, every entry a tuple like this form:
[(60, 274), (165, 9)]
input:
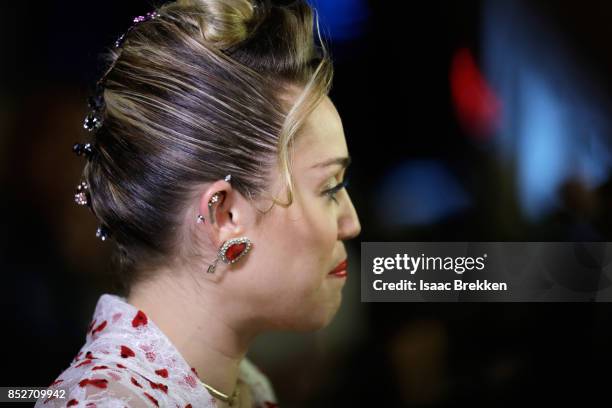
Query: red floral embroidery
[(188, 406), (162, 372), (100, 327), (84, 362), (135, 382), (153, 400), (120, 365), (194, 371), (190, 380), (96, 382), (100, 367), (140, 319), (72, 402), (55, 382), (91, 405), (89, 355), (159, 386), (115, 376), (126, 352)]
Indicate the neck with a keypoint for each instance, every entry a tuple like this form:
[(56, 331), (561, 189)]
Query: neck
[(198, 321)]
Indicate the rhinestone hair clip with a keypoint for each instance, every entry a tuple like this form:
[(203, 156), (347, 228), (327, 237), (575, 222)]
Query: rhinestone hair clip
[(81, 149), (82, 197), (93, 122)]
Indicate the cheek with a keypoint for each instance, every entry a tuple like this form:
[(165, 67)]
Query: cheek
[(310, 237), (293, 255), (305, 234)]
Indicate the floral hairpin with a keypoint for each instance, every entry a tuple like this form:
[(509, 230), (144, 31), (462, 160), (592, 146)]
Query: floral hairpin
[(102, 233), (83, 197), (81, 149), (93, 120)]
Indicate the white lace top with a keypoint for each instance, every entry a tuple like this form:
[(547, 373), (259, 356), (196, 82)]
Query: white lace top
[(127, 361)]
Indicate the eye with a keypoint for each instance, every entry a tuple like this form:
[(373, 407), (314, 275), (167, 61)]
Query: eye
[(331, 193)]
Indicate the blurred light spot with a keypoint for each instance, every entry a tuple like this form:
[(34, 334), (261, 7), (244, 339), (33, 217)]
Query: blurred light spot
[(555, 126), (542, 151), (419, 193), (478, 108)]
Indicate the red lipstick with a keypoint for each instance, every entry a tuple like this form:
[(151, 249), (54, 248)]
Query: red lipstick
[(340, 270)]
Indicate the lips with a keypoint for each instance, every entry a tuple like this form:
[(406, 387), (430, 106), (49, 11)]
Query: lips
[(340, 270)]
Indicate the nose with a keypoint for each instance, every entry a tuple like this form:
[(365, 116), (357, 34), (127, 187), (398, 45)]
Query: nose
[(348, 221)]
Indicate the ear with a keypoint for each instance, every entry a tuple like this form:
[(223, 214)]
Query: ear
[(226, 218)]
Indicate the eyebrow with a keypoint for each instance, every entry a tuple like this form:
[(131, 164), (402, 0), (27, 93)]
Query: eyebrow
[(343, 161)]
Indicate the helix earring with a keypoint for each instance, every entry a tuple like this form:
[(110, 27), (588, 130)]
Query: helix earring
[(214, 199), (231, 251)]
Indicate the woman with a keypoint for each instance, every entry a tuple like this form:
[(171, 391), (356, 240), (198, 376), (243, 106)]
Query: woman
[(217, 167)]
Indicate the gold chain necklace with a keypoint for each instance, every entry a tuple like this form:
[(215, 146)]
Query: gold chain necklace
[(229, 399)]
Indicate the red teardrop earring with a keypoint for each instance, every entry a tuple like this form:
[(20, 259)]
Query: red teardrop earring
[(231, 251)]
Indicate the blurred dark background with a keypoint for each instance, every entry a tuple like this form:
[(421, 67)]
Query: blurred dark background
[(468, 121)]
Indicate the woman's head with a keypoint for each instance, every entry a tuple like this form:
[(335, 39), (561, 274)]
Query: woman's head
[(206, 89), (284, 282)]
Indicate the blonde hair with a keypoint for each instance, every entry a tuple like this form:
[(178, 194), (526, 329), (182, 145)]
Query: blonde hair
[(191, 96)]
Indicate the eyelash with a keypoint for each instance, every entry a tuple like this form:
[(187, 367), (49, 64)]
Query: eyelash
[(334, 190)]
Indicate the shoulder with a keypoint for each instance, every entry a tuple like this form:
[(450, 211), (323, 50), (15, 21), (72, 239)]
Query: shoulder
[(126, 362), (261, 387), (96, 382)]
